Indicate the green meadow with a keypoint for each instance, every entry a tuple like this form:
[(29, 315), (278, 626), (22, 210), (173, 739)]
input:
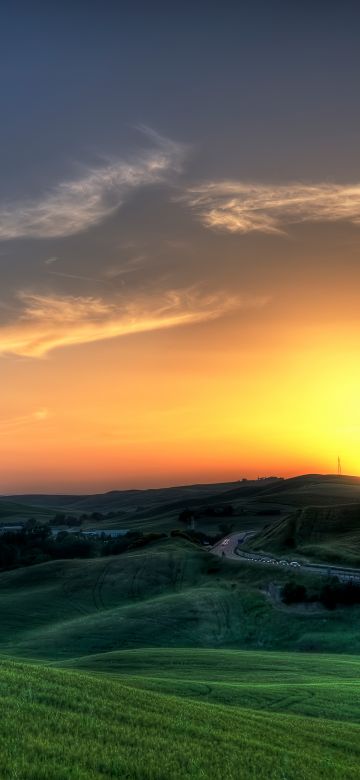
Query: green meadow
[(167, 662), (71, 726), (173, 594)]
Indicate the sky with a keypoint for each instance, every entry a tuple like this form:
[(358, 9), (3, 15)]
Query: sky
[(179, 242)]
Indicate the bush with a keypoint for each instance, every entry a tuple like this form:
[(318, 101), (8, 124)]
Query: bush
[(293, 593), (335, 593), (331, 593)]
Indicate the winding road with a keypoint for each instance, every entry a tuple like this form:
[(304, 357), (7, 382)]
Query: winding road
[(230, 548)]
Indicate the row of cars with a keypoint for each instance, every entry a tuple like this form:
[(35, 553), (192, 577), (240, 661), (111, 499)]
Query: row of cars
[(274, 561)]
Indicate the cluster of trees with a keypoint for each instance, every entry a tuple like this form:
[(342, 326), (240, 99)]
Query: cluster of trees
[(131, 540), (69, 520), (189, 516), (37, 545), (196, 536), (60, 518), (330, 594)]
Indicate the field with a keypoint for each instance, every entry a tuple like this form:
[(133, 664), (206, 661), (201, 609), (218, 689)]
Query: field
[(330, 533), (172, 594), (66, 725), (167, 662)]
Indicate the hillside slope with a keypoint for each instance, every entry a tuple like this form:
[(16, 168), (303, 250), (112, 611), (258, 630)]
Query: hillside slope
[(327, 533), (61, 725), (172, 594), (132, 499)]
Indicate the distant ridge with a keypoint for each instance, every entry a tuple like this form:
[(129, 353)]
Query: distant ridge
[(145, 496), (302, 490)]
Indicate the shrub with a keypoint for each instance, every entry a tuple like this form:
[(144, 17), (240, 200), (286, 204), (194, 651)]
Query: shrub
[(293, 593)]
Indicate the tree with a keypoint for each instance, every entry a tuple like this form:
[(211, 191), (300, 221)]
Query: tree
[(185, 516), (225, 527), (293, 593), (30, 524)]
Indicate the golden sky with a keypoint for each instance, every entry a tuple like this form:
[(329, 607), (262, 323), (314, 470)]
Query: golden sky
[(254, 391), (179, 246)]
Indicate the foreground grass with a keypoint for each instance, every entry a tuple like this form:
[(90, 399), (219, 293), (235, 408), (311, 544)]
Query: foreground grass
[(316, 685), (63, 725)]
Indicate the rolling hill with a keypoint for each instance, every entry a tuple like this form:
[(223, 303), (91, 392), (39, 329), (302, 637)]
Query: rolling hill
[(132, 499), (325, 533), (68, 725), (166, 662), (13, 510), (172, 594)]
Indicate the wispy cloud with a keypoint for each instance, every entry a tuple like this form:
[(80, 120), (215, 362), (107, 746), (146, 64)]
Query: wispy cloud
[(83, 278), (8, 424), (129, 267), (48, 322), (76, 205), (240, 207)]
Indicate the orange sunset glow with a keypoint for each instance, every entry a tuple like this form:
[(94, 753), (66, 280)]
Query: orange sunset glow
[(179, 269), (180, 390), (237, 396)]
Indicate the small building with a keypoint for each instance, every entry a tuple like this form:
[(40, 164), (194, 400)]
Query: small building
[(112, 532)]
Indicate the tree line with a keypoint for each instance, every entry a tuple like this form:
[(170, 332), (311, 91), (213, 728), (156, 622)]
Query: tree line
[(36, 544), (331, 594)]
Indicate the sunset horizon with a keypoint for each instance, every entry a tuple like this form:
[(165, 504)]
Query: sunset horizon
[(180, 385), (180, 278)]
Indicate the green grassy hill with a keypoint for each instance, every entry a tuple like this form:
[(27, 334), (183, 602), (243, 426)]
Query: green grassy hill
[(325, 533), (172, 594), (10, 511), (158, 509), (134, 500), (313, 685), (167, 662), (314, 490), (66, 725)]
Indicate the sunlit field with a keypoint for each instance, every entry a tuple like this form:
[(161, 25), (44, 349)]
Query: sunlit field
[(165, 722)]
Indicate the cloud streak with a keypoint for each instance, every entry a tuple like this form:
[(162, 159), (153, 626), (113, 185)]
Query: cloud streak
[(240, 207), (8, 424), (76, 205), (49, 322)]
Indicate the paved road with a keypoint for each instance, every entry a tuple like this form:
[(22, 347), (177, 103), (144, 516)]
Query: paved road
[(226, 547), (230, 548)]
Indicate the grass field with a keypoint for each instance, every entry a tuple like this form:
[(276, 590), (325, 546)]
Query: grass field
[(172, 594), (166, 662), (330, 533), (10, 511), (324, 686), (66, 725), (158, 510)]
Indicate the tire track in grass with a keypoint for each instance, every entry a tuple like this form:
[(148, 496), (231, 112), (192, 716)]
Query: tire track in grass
[(101, 583), (135, 584), (76, 604), (97, 587)]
